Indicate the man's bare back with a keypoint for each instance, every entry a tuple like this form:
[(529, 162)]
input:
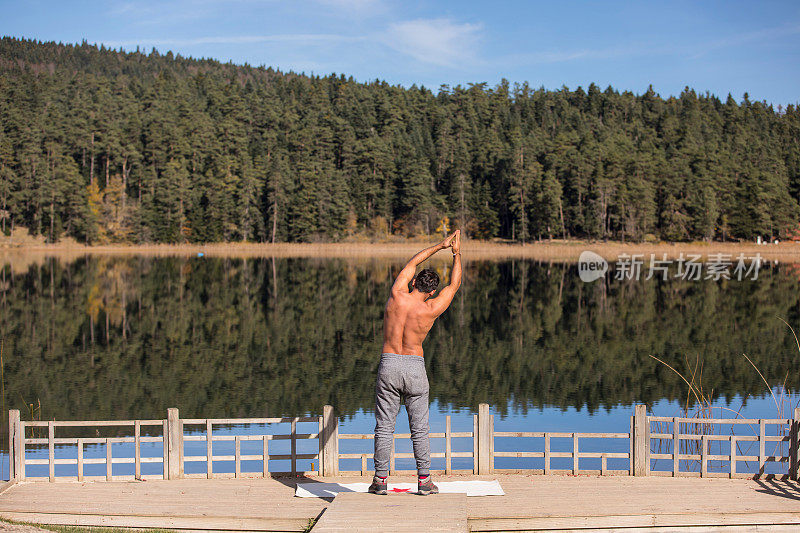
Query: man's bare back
[(409, 316)]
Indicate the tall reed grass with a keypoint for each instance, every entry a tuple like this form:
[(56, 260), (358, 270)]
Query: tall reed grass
[(568, 250), (699, 406)]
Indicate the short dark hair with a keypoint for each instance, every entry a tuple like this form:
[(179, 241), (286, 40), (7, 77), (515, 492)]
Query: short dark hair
[(426, 281)]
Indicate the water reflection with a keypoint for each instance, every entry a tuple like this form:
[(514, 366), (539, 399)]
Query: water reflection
[(121, 337)]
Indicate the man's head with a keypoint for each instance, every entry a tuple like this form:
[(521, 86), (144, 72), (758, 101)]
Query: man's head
[(426, 281)]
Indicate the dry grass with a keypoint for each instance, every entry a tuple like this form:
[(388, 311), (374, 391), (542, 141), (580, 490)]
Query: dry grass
[(564, 251)]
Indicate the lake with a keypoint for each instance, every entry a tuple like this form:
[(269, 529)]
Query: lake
[(121, 337)]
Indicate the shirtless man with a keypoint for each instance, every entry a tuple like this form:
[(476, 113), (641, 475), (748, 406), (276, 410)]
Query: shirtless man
[(408, 318)]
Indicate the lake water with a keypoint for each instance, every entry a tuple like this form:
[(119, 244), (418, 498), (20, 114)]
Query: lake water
[(128, 337)]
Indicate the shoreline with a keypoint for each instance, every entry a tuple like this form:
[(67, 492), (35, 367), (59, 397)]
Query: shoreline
[(22, 256), (473, 250)]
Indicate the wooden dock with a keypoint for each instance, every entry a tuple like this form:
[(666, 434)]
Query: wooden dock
[(738, 474), (533, 502)]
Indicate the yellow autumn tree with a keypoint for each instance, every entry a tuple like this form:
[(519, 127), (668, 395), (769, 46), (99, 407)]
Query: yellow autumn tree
[(109, 216), (444, 226)]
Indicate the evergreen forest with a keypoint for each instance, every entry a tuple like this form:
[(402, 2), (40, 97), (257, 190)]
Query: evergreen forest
[(108, 146)]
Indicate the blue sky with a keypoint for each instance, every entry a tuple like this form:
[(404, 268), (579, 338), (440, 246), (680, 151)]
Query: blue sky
[(721, 47)]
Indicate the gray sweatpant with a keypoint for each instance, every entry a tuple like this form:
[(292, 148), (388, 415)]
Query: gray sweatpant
[(401, 376)]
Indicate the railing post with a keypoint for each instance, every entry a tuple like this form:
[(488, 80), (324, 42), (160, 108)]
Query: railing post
[(294, 447), (137, 451), (547, 454), (448, 448), (51, 450), (704, 455), (641, 443), (174, 442), (210, 452), (181, 464), (794, 445), (320, 440), (676, 446), (475, 444), (631, 438), (19, 448), (13, 427), (165, 446), (762, 443), (80, 459), (330, 444), (485, 437)]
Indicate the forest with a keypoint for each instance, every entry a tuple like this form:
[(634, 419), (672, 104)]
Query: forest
[(108, 146)]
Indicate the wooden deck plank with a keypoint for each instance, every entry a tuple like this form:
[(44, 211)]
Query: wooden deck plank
[(401, 513), (635, 521), (554, 502), (161, 503), (670, 529), (162, 522), (569, 496)]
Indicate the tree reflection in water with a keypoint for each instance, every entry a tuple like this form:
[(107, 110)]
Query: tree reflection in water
[(123, 337)]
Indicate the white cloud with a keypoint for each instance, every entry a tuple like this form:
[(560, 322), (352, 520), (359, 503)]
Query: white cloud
[(440, 42)]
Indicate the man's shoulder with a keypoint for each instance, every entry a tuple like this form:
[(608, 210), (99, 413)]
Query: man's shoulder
[(398, 298), (399, 294), (425, 308)]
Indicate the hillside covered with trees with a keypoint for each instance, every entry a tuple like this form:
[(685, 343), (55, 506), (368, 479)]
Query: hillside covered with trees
[(108, 146)]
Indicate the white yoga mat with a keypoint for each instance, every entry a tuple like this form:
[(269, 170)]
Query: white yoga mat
[(470, 488)]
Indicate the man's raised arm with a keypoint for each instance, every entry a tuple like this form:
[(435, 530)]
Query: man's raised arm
[(407, 274), (442, 302)]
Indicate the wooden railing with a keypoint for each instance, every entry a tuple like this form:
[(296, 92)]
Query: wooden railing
[(547, 454), (18, 442), (650, 439), (173, 441), (575, 454), (690, 442), (264, 457)]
